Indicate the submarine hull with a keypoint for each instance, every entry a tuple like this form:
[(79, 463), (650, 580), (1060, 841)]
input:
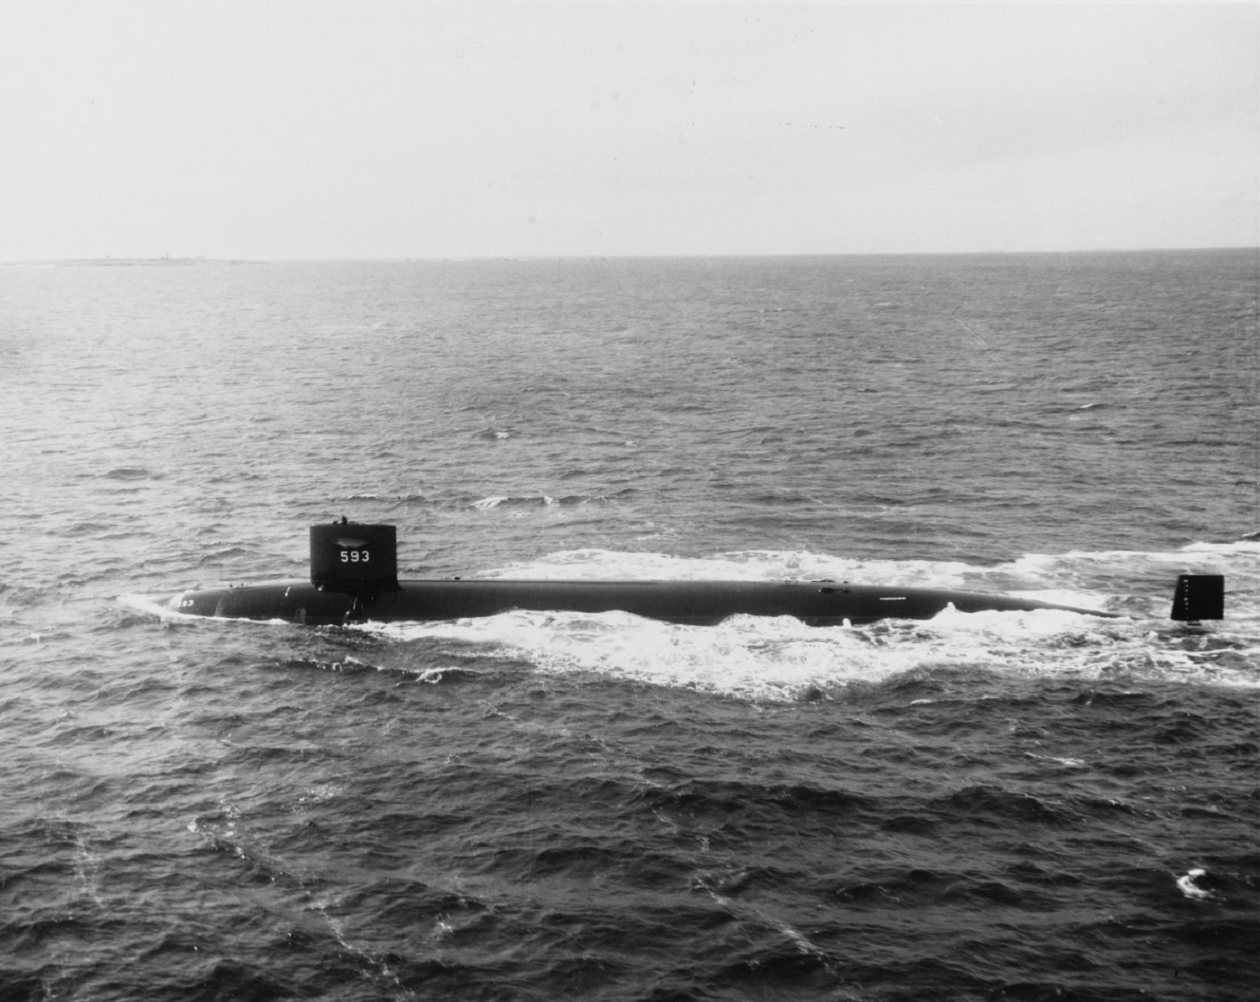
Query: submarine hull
[(354, 578), (686, 602)]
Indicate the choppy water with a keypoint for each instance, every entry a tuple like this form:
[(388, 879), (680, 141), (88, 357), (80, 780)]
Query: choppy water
[(533, 806)]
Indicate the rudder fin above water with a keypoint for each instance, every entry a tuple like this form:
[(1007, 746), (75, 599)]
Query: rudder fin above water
[(1198, 597)]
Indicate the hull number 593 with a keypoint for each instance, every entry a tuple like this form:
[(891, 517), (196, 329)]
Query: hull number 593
[(355, 556)]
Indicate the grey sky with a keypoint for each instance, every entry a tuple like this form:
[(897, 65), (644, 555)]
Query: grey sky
[(371, 129)]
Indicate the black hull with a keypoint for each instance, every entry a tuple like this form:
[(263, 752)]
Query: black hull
[(700, 603)]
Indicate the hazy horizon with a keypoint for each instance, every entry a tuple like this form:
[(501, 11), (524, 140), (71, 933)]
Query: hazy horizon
[(387, 131), (203, 258)]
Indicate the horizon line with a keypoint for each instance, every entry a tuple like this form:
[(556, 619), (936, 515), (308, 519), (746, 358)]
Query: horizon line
[(201, 258)]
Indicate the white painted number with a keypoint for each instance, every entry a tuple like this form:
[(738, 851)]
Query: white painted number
[(355, 556)]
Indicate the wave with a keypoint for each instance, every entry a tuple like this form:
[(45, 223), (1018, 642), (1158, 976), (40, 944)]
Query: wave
[(537, 500), (764, 658), (1086, 577), (483, 504), (776, 659)]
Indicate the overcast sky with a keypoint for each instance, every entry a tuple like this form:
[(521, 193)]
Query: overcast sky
[(298, 128)]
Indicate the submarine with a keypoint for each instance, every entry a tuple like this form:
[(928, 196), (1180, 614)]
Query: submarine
[(354, 579)]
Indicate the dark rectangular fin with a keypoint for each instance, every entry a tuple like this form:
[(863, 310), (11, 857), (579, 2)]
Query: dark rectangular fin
[(1199, 596), (354, 558)]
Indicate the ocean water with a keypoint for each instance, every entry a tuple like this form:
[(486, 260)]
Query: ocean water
[(537, 806)]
